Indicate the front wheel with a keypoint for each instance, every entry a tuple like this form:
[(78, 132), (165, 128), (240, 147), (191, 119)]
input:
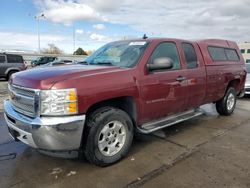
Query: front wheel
[(108, 136), (226, 105)]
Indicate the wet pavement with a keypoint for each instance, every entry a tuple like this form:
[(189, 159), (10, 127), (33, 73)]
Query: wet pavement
[(209, 151)]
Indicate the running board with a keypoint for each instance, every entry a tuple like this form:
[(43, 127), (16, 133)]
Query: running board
[(168, 121)]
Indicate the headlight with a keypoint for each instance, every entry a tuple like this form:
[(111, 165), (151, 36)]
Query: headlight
[(58, 102)]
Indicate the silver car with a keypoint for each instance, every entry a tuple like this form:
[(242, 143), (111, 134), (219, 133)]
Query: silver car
[(247, 84), (10, 64)]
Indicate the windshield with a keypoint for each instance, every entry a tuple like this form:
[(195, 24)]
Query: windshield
[(121, 54)]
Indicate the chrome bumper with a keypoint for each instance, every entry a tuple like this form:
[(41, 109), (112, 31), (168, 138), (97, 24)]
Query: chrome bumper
[(51, 135)]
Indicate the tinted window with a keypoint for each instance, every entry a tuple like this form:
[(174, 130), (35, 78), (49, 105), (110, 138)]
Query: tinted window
[(169, 50), (43, 59), (242, 51), (248, 51), (2, 59), (248, 61), (223, 54), (51, 59), (217, 53), (232, 55), (14, 59), (190, 55)]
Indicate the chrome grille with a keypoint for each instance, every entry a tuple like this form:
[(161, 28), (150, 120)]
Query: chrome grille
[(23, 100)]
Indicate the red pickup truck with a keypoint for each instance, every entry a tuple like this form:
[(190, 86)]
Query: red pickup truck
[(129, 86)]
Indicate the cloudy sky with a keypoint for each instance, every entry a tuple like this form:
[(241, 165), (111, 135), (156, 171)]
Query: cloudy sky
[(96, 22)]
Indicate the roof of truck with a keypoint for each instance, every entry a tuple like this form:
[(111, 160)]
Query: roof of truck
[(215, 42)]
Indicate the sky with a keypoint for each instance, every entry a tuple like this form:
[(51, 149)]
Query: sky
[(96, 22)]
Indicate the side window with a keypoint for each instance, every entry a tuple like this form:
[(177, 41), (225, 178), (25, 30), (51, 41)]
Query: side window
[(2, 59), (169, 50), (217, 53), (248, 51), (190, 55), (14, 59), (44, 59), (232, 55), (242, 51), (52, 59), (223, 54)]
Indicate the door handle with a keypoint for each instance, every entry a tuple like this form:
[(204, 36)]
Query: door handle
[(180, 78)]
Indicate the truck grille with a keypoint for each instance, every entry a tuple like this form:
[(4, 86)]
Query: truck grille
[(23, 100)]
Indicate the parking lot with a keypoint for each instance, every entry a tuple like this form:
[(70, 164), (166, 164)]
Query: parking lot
[(209, 151)]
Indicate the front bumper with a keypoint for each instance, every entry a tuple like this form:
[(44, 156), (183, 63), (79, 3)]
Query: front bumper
[(56, 136)]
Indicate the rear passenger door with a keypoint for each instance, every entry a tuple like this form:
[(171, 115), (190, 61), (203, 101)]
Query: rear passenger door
[(14, 61), (196, 75), (2, 65)]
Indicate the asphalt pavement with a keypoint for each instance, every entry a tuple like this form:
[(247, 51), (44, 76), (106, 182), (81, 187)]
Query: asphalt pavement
[(208, 151)]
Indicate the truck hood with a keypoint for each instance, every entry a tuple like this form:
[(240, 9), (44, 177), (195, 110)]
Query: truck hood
[(45, 78)]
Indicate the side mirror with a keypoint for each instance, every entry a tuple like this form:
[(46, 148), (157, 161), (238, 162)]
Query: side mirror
[(161, 64)]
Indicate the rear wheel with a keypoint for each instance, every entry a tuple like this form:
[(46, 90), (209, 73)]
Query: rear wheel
[(108, 136), (226, 105)]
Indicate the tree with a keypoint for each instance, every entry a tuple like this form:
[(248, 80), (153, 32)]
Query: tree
[(52, 49), (80, 51)]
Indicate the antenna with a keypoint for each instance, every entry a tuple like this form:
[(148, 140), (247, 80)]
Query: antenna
[(144, 36)]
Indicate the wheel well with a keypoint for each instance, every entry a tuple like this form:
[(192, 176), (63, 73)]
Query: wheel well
[(235, 84), (10, 72), (126, 104)]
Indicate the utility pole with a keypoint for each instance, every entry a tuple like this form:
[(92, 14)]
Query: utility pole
[(74, 38), (38, 30)]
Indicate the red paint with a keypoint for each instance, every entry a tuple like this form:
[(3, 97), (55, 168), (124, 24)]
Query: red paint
[(155, 94)]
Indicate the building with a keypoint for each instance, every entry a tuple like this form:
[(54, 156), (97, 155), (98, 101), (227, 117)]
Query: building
[(245, 50)]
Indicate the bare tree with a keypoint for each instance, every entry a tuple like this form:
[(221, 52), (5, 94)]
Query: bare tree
[(52, 49)]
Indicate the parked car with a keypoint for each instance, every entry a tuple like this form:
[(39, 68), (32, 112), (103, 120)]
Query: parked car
[(126, 87), (10, 64), (58, 63), (43, 60), (247, 84), (64, 62)]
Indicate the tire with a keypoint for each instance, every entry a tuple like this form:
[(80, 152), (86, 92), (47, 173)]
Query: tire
[(226, 105), (105, 142), (9, 74)]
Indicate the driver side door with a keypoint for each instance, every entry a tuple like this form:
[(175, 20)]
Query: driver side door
[(163, 92)]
